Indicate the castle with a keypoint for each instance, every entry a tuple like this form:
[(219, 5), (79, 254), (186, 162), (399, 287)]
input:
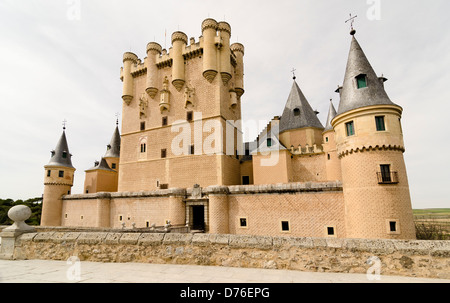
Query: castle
[(181, 159)]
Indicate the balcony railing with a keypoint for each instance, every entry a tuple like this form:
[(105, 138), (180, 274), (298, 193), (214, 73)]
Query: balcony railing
[(387, 177)]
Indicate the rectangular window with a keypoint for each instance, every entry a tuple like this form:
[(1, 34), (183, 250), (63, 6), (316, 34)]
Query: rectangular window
[(379, 121), (245, 180), (164, 121), (269, 142), (142, 125), (350, 128), (143, 148), (191, 150), (163, 153), (49, 173), (189, 116), (243, 222), (164, 186), (114, 166), (284, 225), (386, 173), (326, 139), (361, 81), (329, 157), (393, 226), (330, 231), (61, 174)]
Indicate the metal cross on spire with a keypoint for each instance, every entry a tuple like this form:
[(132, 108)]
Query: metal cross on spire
[(293, 73), (117, 119), (351, 20)]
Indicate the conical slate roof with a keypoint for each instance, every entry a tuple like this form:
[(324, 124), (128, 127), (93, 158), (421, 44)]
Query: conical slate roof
[(113, 150), (61, 155), (298, 113), (331, 114), (351, 96), (102, 165)]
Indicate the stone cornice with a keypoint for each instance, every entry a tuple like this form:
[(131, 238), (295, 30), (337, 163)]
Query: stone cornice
[(371, 148)]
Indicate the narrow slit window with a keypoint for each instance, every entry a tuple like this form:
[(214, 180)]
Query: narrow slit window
[(164, 121), (143, 148), (142, 125), (269, 142), (164, 153), (49, 173)]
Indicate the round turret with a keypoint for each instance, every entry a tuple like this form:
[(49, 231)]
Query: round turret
[(179, 41), (209, 30), (239, 50), (154, 50), (129, 59), (225, 52)]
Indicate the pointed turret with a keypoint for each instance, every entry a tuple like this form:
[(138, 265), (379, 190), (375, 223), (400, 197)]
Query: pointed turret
[(331, 114), (113, 149), (368, 132), (298, 113), (58, 181), (361, 86), (61, 156)]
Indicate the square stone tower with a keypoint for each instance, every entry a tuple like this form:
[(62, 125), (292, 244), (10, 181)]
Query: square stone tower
[(181, 112)]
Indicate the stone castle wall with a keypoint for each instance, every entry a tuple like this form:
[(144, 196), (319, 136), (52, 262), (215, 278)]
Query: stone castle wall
[(430, 259)]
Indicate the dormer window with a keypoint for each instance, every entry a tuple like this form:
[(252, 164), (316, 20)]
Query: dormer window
[(361, 81), (269, 142), (64, 155), (297, 112)]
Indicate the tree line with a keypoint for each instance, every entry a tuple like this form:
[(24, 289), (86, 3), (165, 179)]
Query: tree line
[(35, 204)]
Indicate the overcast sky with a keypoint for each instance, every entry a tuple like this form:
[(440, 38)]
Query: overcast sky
[(61, 60)]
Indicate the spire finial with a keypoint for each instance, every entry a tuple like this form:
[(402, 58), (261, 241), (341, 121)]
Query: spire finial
[(352, 20), (117, 119), (64, 124), (293, 73)]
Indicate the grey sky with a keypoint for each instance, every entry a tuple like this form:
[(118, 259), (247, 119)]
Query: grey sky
[(60, 61)]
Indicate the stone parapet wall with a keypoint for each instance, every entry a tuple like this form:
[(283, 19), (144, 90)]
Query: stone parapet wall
[(430, 259)]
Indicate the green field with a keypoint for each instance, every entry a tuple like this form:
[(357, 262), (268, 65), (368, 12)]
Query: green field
[(433, 223)]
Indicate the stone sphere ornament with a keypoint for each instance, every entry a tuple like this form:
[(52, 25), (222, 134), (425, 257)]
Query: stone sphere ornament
[(19, 214)]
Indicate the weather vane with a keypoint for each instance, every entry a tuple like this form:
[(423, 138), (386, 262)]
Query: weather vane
[(351, 20), (117, 119), (293, 73)]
